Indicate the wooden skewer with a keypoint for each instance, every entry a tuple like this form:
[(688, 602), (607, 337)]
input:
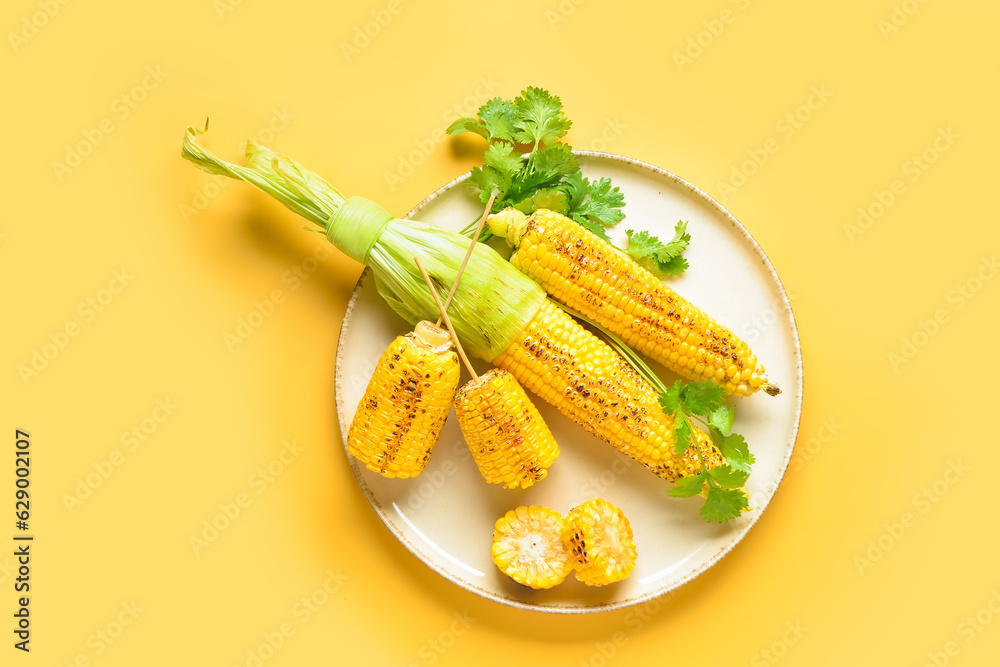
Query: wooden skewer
[(472, 246), (447, 320)]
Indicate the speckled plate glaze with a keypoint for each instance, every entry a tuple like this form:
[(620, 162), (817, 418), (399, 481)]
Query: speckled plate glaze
[(446, 515)]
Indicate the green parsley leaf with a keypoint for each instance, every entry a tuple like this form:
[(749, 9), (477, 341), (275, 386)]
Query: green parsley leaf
[(683, 433), (540, 118), (722, 418), (687, 486), (673, 267), (723, 504), (501, 156), (595, 201), (666, 258), (728, 477), (553, 162), (486, 178), (701, 398), (642, 245), (735, 449), (468, 125), (671, 398), (595, 227), (545, 169), (499, 118)]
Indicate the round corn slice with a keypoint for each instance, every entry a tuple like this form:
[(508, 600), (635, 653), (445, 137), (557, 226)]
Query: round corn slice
[(528, 547), (600, 542)]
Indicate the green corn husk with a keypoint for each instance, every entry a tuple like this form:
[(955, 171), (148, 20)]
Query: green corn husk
[(494, 301)]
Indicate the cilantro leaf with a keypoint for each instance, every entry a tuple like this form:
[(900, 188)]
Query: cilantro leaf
[(722, 418), (671, 398), (540, 117), (642, 245), (723, 504), (468, 125), (687, 486), (545, 169), (498, 118), (735, 449), (596, 201), (554, 162), (501, 156), (653, 253), (486, 178), (701, 398), (683, 432), (674, 267), (594, 227), (728, 477)]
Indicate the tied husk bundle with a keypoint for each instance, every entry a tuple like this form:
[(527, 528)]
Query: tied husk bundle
[(493, 302)]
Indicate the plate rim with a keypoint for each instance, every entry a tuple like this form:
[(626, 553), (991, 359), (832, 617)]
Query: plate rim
[(704, 567)]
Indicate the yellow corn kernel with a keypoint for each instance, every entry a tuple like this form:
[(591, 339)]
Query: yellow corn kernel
[(509, 441), (406, 403), (664, 323), (556, 358), (528, 546), (600, 542)]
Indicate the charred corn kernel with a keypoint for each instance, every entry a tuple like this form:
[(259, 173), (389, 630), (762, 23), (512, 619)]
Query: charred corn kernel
[(406, 403), (528, 546), (600, 542), (586, 380), (509, 441), (578, 269)]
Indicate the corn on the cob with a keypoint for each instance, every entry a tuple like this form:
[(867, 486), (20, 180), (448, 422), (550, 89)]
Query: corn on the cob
[(593, 385), (500, 314), (604, 284), (509, 441), (406, 403), (528, 546), (600, 541)]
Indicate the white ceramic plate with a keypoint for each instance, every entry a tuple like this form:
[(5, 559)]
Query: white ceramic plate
[(446, 515)]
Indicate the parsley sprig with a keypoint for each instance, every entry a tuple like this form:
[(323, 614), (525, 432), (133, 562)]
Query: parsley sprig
[(722, 486), (702, 402), (530, 165), (649, 251), (548, 175)]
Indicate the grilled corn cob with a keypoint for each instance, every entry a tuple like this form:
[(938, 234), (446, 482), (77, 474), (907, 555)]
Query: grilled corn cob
[(600, 542), (500, 314), (583, 272), (406, 403), (528, 546), (569, 367), (510, 443)]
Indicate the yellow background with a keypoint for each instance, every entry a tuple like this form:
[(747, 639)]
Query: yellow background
[(874, 434)]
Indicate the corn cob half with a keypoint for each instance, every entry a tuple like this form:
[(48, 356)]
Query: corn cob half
[(509, 441), (528, 546), (406, 403), (569, 367), (600, 541), (604, 284)]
